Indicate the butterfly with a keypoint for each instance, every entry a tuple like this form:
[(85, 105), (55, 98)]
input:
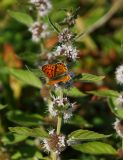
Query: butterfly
[(56, 73)]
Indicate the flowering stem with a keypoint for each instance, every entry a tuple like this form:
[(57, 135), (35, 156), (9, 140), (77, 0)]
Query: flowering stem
[(54, 156), (59, 125), (59, 122)]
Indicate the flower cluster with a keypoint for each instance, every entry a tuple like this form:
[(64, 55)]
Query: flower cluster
[(61, 106), (118, 124), (54, 142), (65, 48), (65, 36), (43, 6), (39, 31)]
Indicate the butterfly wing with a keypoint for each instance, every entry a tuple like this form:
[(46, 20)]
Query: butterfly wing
[(64, 79), (55, 73), (49, 70), (60, 68)]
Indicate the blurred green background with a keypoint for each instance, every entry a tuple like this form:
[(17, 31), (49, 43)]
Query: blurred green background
[(100, 54)]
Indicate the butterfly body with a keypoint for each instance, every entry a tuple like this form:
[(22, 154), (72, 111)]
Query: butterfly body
[(56, 73)]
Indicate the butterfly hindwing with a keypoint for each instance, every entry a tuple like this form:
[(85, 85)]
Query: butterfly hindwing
[(64, 79)]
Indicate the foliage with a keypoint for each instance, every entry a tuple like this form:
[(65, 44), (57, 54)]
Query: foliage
[(25, 98)]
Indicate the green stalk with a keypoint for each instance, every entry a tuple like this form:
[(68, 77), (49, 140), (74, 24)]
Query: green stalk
[(59, 122)]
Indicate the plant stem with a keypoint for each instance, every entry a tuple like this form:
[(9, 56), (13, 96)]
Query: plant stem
[(59, 125), (54, 156)]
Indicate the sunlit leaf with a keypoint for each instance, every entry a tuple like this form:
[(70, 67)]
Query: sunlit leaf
[(35, 132), (95, 148), (84, 135), (105, 93), (24, 18), (2, 106), (11, 138), (26, 77), (85, 77), (74, 92)]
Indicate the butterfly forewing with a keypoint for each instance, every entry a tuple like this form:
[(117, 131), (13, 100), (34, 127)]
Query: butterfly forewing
[(49, 70)]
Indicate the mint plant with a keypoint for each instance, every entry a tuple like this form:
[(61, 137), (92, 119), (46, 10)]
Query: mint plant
[(55, 85)]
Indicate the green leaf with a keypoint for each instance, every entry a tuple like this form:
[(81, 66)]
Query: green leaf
[(74, 92), (95, 148), (2, 106), (24, 119), (104, 93), (85, 77), (11, 138), (53, 25), (35, 132), (26, 77), (85, 135), (24, 18), (114, 108)]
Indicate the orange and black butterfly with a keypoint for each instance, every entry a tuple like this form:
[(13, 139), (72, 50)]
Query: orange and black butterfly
[(56, 73)]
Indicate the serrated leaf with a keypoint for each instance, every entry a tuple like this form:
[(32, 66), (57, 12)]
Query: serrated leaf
[(85, 77), (74, 92), (11, 138), (95, 148), (24, 18), (2, 106), (24, 119), (35, 132), (104, 93), (85, 135), (26, 77)]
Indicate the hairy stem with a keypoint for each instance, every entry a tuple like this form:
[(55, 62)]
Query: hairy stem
[(59, 125), (118, 4)]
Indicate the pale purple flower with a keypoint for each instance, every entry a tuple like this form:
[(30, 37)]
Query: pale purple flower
[(43, 6), (39, 31), (67, 50), (56, 143), (65, 36)]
